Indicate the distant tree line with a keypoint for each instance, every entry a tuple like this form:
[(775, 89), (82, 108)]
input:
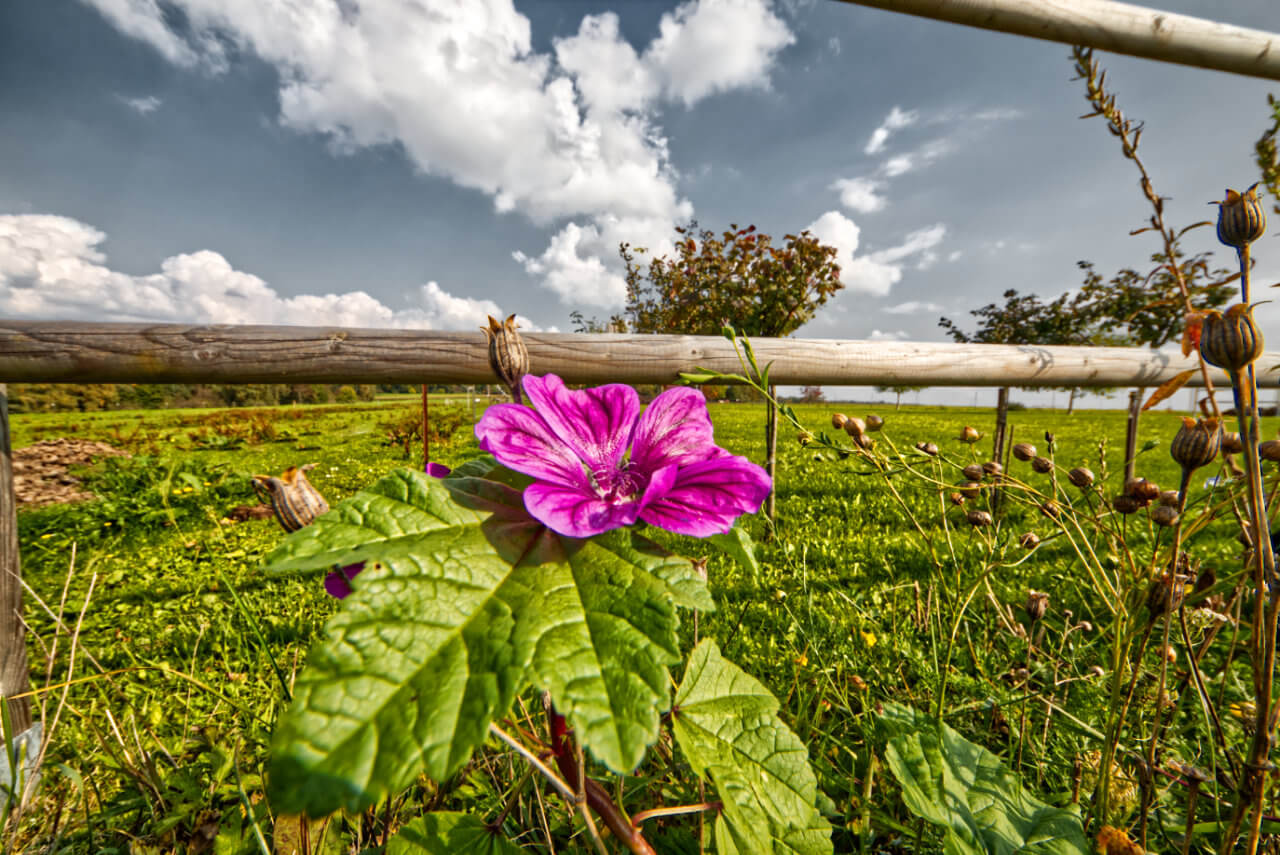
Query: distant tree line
[(82, 397)]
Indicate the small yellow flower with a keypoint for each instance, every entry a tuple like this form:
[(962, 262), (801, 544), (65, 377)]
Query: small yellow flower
[(868, 638), (802, 660)]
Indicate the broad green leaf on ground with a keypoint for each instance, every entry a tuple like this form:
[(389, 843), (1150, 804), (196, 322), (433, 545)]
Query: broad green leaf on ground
[(448, 833), (726, 724), (736, 543), (963, 787), (464, 601)]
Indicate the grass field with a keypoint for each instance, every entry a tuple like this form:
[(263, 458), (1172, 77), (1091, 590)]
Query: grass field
[(872, 588)]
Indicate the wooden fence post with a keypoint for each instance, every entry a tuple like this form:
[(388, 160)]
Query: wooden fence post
[(15, 684), (1131, 435)]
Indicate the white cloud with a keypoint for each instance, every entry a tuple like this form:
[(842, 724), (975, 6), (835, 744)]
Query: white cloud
[(860, 194), (955, 255), (928, 258), (896, 166), (563, 136), (896, 120), (896, 335), (912, 307), (51, 268), (833, 45), (144, 105), (876, 272)]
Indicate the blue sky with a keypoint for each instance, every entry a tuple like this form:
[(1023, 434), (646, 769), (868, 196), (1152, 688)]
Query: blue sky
[(418, 163)]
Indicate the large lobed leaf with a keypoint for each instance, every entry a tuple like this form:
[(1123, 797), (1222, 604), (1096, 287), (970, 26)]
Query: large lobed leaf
[(449, 833), (963, 787), (726, 724), (464, 601)]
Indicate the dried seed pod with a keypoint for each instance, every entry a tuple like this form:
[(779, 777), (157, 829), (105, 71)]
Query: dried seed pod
[(1037, 605), (838, 420), (1197, 443), (970, 489), (1241, 218), (1081, 477), (874, 422), (864, 442), (973, 471), (508, 356), (992, 468), (1231, 443), (1143, 490), (1169, 498), (1030, 540), (1269, 450), (1164, 515), (1165, 594), (1043, 465), (929, 448), (1050, 509), (294, 499), (855, 426), (969, 434), (1024, 451), (979, 519), (804, 437), (1125, 504), (956, 498), (1232, 340)]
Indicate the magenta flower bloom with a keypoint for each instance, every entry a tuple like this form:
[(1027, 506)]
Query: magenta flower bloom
[(576, 444)]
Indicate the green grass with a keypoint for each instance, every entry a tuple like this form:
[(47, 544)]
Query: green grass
[(185, 650)]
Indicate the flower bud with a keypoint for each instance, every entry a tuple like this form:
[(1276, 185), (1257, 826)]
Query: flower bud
[(956, 499), (508, 356), (1196, 443), (864, 442), (838, 420), (1143, 490), (973, 472), (1043, 465), (992, 468), (929, 448), (1081, 477), (1241, 218), (1269, 450), (1050, 509), (1037, 605), (1164, 515), (1030, 540), (979, 519), (1024, 451), (969, 434), (855, 426), (874, 422), (1232, 340), (1125, 504), (804, 437), (1169, 498), (970, 489), (1231, 443)]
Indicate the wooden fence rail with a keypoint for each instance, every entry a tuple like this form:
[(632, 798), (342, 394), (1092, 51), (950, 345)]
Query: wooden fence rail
[(67, 352), (1117, 27)]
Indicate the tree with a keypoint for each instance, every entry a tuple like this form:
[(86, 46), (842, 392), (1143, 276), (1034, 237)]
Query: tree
[(737, 279), (899, 391)]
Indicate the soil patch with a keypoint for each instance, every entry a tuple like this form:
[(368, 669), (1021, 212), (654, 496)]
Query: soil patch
[(41, 472)]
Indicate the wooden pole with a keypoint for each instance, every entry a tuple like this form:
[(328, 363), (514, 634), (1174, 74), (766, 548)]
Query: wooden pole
[(14, 676), (70, 352), (1131, 435), (1116, 27)]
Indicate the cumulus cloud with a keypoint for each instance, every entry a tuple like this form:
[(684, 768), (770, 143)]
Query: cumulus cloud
[(876, 272), (144, 105), (895, 121), (51, 268), (560, 136), (912, 307), (880, 335), (860, 194)]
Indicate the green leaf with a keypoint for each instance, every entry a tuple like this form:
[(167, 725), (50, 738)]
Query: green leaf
[(726, 724), (447, 833), (464, 601), (963, 787), (698, 376), (736, 543)]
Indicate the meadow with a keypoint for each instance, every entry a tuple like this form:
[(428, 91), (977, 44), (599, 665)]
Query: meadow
[(162, 654)]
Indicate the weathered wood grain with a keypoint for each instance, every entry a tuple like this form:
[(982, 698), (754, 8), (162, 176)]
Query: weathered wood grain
[(76, 352), (14, 679), (1116, 27)]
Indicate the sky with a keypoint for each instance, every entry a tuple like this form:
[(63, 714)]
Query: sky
[(422, 163)]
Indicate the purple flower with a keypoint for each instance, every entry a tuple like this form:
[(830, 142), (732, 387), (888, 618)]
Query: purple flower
[(336, 581), (575, 446)]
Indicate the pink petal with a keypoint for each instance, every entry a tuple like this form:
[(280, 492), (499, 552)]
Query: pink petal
[(437, 470), (596, 423), (521, 440), (707, 496), (335, 583), (576, 513), (676, 429)]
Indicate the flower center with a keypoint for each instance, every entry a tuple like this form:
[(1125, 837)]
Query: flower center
[(620, 484)]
